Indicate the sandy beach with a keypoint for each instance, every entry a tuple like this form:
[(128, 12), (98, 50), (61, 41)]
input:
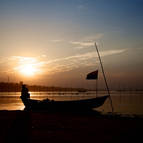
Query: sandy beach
[(45, 127)]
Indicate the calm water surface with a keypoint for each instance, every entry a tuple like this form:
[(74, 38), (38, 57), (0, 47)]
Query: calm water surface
[(123, 102)]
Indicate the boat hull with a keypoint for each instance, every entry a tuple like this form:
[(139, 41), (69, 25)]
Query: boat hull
[(64, 105)]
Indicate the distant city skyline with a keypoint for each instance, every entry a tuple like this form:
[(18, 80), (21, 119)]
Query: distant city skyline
[(51, 42)]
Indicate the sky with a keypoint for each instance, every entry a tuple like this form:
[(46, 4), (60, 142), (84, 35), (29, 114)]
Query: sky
[(51, 42)]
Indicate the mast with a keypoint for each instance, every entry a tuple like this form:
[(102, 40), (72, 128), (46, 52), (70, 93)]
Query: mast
[(107, 87)]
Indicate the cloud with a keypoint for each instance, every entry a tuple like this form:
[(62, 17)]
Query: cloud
[(25, 60), (57, 40), (83, 44), (87, 42), (76, 61), (45, 66), (13, 64), (90, 55), (112, 52), (79, 47)]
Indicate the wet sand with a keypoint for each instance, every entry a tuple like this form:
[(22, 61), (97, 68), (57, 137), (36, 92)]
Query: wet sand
[(64, 127)]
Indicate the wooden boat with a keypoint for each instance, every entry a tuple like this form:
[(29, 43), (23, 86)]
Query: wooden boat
[(70, 105), (51, 105)]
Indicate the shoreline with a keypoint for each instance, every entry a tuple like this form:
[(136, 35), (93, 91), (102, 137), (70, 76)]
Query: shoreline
[(43, 126), (92, 112)]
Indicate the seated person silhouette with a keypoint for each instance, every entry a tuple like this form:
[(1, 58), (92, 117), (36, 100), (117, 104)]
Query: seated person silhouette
[(25, 92), (25, 96)]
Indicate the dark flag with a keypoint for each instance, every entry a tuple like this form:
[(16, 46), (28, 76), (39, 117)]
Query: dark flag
[(92, 75)]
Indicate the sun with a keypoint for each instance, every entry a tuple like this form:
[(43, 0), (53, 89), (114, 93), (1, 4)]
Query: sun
[(28, 66), (28, 70)]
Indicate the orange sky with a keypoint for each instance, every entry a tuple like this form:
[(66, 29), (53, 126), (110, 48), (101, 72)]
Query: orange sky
[(52, 42)]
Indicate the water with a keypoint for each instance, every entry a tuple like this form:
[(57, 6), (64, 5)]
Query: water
[(123, 102)]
